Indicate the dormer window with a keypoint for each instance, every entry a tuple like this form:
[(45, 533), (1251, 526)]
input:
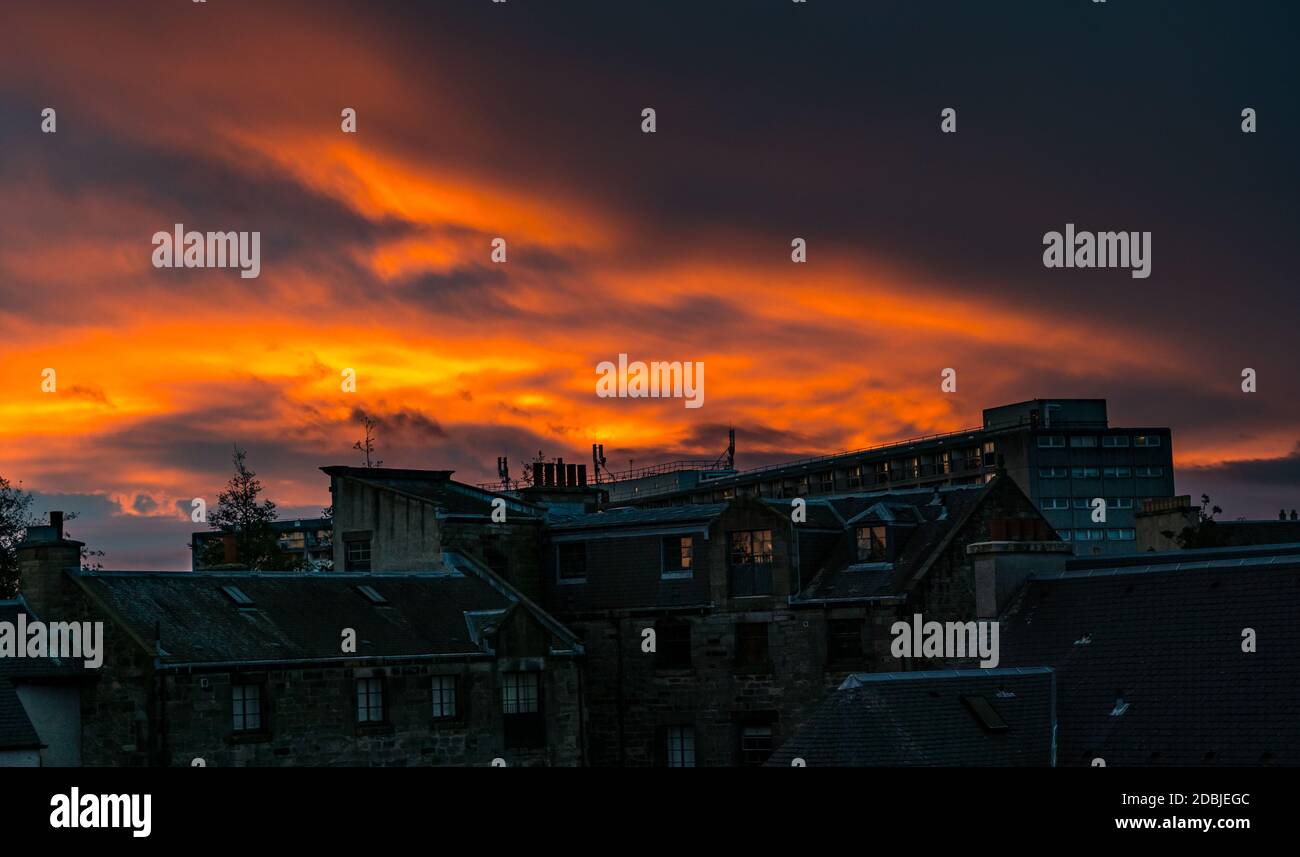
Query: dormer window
[(872, 544)]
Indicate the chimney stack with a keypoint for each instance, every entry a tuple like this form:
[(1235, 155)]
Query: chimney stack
[(44, 558)]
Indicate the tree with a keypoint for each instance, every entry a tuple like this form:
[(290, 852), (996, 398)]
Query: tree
[(242, 514), (1206, 532), (15, 517), (368, 446)]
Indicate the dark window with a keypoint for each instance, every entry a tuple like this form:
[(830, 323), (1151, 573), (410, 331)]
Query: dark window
[(356, 555), (844, 640), (247, 705), (755, 744), (679, 746), (672, 644), (571, 560), (871, 544), (370, 700), (750, 567), (751, 645), (678, 554), (444, 697), (521, 707)]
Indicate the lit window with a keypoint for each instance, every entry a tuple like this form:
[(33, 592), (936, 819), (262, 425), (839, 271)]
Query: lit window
[(678, 551), (871, 544), (1146, 440), (750, 566)]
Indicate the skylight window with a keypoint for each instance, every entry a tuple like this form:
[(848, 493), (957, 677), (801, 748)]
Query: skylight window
[(1120, 707), (372, 595), (237, 595), (985, 713)]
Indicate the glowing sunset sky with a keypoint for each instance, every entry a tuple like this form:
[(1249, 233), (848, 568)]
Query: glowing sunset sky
[(523, 120)]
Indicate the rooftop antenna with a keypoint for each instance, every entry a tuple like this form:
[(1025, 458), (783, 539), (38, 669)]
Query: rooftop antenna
[(503, 471), (597, 459), (731, 448)]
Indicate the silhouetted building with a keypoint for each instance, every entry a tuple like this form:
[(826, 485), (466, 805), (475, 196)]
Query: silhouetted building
[(713, 630), (305, 539), (1062, 452)]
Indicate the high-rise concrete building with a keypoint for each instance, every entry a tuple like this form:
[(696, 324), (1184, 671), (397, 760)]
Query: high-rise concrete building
[(1062, 452)]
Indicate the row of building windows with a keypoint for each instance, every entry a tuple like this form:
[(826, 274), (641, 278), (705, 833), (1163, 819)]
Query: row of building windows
[(520, 705), (1121, 534), (1053, 503), (1087, 441), (1097, 472)]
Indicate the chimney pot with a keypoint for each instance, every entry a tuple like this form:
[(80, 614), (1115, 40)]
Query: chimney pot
[(56, 521)]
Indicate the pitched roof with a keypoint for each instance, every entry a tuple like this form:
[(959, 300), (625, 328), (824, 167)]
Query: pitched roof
[(978, 717), (1149, 661), (630, 516), (201, 618), (16, 729)]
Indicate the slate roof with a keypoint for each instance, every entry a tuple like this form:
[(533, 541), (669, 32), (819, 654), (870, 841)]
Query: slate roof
[(922, 719), (296, 617), (16, 729), (629, 516), (1149, 660), (928, 515)]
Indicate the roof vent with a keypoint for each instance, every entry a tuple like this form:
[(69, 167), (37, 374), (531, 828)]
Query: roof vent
[(237, 595)]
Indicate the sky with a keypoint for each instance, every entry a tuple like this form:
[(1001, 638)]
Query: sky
[(523, 121)]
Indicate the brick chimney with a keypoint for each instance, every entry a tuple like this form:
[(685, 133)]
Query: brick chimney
[(43, 557)]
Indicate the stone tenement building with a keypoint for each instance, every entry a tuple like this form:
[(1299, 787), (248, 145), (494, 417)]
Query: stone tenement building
[(451, 665), (387, 519), (756, 618)]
